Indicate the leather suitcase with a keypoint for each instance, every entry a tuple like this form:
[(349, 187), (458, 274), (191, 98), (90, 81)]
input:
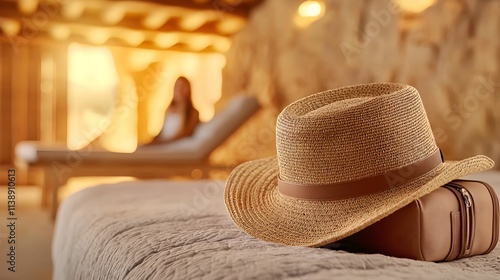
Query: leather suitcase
[(458, 220)]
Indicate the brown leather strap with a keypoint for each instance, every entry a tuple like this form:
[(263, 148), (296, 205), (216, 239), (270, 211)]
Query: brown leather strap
[(364, 186)]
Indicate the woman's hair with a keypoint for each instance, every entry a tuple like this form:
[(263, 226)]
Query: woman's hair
[(189, 102), (188, 84)]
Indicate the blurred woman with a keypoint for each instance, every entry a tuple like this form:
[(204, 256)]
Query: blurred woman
[(181, 118)]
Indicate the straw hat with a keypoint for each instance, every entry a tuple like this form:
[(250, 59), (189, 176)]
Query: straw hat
[(346, 158)]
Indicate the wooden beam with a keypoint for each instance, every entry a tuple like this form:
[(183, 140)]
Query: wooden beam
[(79, 33), (41, 19), (243, 8), (6, 6), (171, 25), (43, 38), (220, 6)]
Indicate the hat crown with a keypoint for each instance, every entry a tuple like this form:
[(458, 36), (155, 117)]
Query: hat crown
[(352, 133)]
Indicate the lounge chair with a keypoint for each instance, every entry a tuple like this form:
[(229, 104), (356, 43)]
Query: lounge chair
[(178, 158)]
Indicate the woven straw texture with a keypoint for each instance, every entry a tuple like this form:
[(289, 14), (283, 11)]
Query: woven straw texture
[(338, 136)]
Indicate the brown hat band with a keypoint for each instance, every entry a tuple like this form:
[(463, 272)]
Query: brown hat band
[(364, 186)]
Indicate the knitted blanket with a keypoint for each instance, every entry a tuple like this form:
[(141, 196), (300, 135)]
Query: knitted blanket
[(180, 230)]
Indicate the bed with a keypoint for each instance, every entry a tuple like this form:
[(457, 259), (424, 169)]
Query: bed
[(180, 230)]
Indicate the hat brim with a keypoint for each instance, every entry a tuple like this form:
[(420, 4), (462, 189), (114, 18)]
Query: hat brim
[(255, 205)]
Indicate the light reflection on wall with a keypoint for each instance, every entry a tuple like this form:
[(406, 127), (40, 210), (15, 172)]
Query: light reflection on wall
[(414, 6), (92, 92)]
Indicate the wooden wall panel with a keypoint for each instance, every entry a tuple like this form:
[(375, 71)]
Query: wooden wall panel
[(33, 99), (6, 125), (20, 80), (61, 92), (19, 109), (20, 99), (2, 111)]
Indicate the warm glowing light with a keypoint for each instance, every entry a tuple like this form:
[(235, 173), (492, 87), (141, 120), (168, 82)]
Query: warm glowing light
[(134, 38), (10, 27), (155, 20), (27, 6), (59, 32), (122, 134), (92, 92), (199, 42), (221, 44), (194, 21), (231, 25), (414, 6), (139, 59), (166, 40), (98, 36), (113, 15), (91, 66), (309, 12), (311, 9), (73, 9)]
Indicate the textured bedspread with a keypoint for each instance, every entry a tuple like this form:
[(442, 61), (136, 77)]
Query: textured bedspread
[(180, 230)]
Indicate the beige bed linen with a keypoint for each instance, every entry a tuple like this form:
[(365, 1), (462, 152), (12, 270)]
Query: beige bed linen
[(180, 230)]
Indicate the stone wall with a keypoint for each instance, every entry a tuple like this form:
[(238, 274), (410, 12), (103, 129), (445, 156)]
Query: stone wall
[(449, 52)]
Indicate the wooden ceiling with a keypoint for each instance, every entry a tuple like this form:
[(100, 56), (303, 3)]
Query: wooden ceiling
[(183, 25)]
